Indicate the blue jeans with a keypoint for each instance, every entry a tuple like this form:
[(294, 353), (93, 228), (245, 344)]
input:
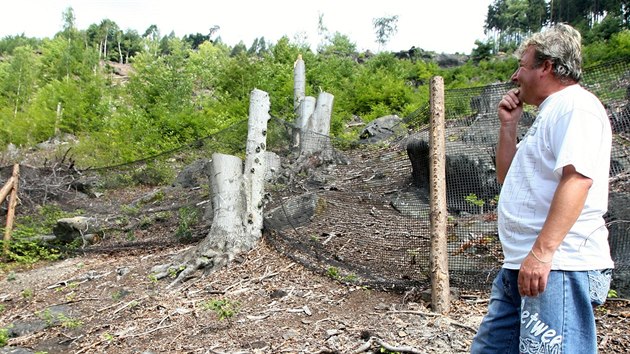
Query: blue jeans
[(559, 320)]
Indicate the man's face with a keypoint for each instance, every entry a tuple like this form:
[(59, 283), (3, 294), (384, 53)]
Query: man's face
[(527, 77)]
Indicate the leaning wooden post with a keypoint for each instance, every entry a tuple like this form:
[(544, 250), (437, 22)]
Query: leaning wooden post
[(440, 288), (12, 204), (6, 189)]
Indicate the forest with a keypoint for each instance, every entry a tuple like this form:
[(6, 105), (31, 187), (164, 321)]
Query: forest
[(126, 95)]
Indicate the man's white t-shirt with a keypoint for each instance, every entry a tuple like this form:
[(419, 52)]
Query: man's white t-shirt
[(572, 128)]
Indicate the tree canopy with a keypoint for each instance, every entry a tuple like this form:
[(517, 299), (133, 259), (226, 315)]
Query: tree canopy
[(508, 22), (128, 95)]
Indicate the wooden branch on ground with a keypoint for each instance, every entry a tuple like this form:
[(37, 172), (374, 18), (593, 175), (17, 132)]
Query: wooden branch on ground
[(384, 345), (6, 189), (12, 204)]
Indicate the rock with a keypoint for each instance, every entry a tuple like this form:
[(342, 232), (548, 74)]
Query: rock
[(466, 165), (450, 60), (86, 185), (69, 229), (193, 175), (295, 212), (382, 128)]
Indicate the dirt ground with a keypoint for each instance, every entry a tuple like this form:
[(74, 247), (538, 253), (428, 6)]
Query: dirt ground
[(107, 303), (104, 299)]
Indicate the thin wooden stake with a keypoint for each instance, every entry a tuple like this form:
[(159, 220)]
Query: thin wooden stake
[(12, 205)]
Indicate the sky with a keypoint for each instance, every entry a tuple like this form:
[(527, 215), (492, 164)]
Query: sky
[(442, 26)]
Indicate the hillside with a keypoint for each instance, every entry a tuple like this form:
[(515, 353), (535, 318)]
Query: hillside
[(103, 298)]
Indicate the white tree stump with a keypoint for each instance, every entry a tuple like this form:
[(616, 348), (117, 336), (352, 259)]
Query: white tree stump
[(237, 200), (305, 114), (315, 138)]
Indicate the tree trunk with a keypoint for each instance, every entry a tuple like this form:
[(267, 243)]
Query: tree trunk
[(255, 163), (299, 82), (58, 119), (299, 92), (120, 55), (312, 125), (315, 138), (305, 114), (237, 200)]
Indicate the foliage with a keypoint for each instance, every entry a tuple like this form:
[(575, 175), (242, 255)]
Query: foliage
[(24, 246), (224, 308), (334, 273), (183, 90), (52, 319), (188, 217), (152, 174), (474, 200), (511, 21), (385, 28), (617, 47), (4, 337)]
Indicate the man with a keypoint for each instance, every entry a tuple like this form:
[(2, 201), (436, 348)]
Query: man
[(554, 195)]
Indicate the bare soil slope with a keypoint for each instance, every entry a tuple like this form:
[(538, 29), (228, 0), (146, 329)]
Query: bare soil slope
[(104, 300)]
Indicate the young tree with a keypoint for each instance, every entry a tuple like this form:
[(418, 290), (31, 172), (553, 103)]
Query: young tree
[(385, 28), (107, 32), (68, 21), (131, 45), (19, 82)]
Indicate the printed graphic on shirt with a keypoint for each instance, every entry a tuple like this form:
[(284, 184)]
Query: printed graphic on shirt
[(519, 192)]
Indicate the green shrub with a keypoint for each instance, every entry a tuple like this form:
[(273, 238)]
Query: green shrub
[(188, 217), (24, 246), (4, 337), (224, 308)]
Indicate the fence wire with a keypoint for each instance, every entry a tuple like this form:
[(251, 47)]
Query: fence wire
[(367, 221), (363, 218)]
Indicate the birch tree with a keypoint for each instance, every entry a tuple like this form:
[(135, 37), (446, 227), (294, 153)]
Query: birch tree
[(20, 79), (385, 28)]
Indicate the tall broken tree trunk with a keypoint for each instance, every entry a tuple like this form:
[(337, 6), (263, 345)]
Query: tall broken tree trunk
[(311, 140), (299, 93), (305, 112), (237, 198), (315, 138), (299, 82)]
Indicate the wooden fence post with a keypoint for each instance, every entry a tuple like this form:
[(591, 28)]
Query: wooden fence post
[(12, 203), (440, 288)]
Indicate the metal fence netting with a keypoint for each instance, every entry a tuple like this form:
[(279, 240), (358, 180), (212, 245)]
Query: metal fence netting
[(366, 220)]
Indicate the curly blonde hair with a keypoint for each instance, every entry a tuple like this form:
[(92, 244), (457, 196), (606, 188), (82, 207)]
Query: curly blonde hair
[(562, 44)]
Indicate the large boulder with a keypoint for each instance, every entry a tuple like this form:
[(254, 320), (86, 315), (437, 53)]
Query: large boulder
[(193, 175), (85, 228), (381, 129), (469, 170)]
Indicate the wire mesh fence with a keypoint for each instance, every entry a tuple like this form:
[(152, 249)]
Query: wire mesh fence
[(359, 212), (367, 221)]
